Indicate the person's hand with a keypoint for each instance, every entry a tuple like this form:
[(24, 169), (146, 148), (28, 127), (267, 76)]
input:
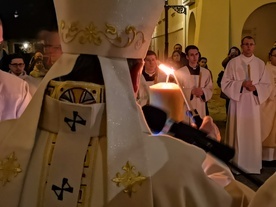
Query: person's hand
[(248, 85), (209, 127), (251, 88), (197, 92)]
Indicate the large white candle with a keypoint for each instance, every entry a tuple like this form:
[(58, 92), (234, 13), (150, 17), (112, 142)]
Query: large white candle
[(168, 97)]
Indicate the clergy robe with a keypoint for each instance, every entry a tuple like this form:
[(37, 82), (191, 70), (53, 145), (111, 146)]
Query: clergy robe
[(32, 82), (265, 195), (145, 82), (14, 96), (50, 169), (243, 130), (189, 79), (268, 119)]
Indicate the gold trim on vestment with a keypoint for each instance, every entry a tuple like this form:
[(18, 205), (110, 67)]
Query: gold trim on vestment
[(90, 34)]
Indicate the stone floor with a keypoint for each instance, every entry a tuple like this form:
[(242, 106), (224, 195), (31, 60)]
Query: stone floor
[(217, 111)]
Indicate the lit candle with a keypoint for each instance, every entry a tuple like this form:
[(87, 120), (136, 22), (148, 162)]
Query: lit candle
[(249, 73), (199, 80), (170, 71), (168, 97)]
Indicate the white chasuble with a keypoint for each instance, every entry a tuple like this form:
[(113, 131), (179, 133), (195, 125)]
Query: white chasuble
[(268, 119), (243, 129)]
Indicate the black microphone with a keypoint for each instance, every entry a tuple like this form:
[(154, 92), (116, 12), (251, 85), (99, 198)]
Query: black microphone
[(157, 122)]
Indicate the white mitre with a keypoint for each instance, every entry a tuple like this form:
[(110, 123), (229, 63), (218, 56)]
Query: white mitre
[(109, 28), (114, 30)]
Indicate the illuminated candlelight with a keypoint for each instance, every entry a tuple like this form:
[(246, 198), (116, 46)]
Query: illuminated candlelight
[(199, 80), (249, 72), (170, 71), (167, 70), (167, 96), (193, 114)]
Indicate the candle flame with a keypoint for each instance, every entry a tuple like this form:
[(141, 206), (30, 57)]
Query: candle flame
[(170, 71), (166, 69)]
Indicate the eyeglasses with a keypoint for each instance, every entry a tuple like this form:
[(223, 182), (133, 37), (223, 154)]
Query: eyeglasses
[(248, 44), (273, 55), (17, 64), (52, 47)]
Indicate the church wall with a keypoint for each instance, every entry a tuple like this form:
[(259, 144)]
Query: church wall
[(212, 31)]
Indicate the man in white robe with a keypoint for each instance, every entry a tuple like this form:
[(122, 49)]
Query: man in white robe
[(268, 113), (88, 143), (151, 75), (14, 93), (196, 83), (14, 96), (247, 84)]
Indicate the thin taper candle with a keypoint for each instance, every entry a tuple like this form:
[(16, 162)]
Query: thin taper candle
[(188, 104), (199, 80), (249, 72)]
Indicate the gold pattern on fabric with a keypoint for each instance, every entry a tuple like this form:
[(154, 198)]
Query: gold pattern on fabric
[(53, 138), (47, 159), (9, 168), (88, 166), (129, 179), (76, 92), (82, 194), (91, 34)]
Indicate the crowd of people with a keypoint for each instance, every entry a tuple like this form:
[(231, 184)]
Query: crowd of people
[(86, 131), (248, 87)]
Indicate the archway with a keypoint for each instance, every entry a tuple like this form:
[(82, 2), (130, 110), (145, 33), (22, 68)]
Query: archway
[(261, 25)]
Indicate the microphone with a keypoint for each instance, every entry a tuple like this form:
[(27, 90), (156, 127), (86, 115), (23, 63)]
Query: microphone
[(158, 122)]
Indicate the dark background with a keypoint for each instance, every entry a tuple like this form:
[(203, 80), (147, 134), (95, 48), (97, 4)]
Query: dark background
[(33, 16)]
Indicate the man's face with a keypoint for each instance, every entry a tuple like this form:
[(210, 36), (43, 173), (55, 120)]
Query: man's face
[(38, 55), (178, 47), (248, 47), (52, 47), (151, 63), (192, 56), (17, 66)]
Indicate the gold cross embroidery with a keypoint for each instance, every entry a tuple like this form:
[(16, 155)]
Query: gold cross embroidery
[(9, 168), (129, 179)]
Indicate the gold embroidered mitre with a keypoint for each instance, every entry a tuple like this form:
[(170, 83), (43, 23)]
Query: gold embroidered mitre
[(110, 28)]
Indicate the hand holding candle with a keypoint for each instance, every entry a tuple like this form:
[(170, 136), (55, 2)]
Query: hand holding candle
[(248, 82), (199, 80), (248, 72)]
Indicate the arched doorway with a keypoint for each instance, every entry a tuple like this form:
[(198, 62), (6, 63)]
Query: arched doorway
[(261, 24)]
